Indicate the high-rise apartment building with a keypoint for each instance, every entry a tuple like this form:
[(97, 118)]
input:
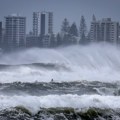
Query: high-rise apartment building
[(104, 30), (42, 23), (43, 27), (15, 31)]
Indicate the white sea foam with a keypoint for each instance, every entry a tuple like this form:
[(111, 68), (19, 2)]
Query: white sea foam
[(93, 63), (34, 103)]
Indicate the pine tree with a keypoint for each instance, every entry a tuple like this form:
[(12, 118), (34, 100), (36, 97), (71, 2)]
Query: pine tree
[(83, 30), (93, 18), (73, 30), (65, 26)]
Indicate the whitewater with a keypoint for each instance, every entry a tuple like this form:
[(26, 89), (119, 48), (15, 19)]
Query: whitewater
[(75, 63), (66, 83), (34, 103)]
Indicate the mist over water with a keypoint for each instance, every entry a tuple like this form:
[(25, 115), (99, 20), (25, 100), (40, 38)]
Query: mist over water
[(95, 62)]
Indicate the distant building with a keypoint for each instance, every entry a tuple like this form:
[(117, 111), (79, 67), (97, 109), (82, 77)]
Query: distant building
[(42, 23), (33, 41), (15, 31), (0, 34), (43, 27), (104, 30), (46, 41)]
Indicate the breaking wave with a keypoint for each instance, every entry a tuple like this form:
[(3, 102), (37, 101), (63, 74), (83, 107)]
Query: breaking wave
[(34, 103), (74, 63)]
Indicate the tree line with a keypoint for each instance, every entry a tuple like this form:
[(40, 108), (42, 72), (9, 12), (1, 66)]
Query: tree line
[(70, 34)]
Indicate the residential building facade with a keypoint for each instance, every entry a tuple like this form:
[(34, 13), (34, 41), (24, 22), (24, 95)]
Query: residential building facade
[(104, 30), (42, 23), (43, 27), (15, 31)]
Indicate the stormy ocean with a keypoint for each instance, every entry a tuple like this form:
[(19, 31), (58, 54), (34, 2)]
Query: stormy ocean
[(68, 83)]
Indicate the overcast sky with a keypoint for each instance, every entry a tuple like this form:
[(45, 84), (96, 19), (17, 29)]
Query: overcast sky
[(70, 9)]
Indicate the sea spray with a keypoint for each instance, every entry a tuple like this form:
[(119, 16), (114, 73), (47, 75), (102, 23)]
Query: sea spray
[(95, 62)]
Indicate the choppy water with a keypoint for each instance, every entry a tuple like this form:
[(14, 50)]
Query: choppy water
[(85, 86), (77, 88)]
